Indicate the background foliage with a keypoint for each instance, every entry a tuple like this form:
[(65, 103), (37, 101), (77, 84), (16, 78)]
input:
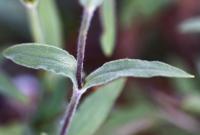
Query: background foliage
[(33, 102)]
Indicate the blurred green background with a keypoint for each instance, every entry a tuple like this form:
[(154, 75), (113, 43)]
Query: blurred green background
[(33, 102)]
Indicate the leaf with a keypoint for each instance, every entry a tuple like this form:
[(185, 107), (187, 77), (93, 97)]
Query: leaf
[(52, 33), (122, 117), (94, 110), (9, 90), (132, 68), (48, 108), (172, 130), (41, 56), (49, 15), (190, 25), (191, 103), (91, 4), (13, 129), (183, 86), (109, 25), (132, 9)]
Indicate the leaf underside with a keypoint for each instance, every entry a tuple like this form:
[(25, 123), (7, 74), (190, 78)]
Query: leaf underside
[(132, 68), (41, 56)]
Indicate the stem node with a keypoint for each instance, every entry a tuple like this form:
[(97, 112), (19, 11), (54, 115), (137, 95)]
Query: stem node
[(71, 109)]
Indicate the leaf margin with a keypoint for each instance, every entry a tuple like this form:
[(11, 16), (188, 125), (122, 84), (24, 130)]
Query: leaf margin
[(73, 78), (104, 90), (91, 76)]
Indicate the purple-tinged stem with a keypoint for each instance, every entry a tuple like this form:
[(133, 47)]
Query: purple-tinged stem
[(71, 109), (86, 20)]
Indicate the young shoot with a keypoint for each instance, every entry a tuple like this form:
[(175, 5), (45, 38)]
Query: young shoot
[(59, 61)]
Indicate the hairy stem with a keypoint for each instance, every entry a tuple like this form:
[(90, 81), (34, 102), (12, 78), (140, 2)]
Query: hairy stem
[(85, 24), (71, 109), (35, 23), (87, 17)]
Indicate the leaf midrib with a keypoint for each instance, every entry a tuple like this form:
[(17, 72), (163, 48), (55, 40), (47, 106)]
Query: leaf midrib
[(120, 70), (50, 59)]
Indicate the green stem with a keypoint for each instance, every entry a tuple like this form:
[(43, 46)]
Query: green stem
[(35, 23)]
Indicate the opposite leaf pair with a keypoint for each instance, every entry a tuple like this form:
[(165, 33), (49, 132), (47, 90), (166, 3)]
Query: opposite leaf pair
[(53, 59)]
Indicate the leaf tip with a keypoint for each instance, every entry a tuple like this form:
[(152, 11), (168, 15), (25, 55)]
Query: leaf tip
[(187, 75), (5, 53), (190, 25), (107, 53), (91, 4), (191, 76)]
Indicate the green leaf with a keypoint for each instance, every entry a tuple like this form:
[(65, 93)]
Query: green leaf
[(124, 116), (13, 129), (183, 86), (41, 56), (132, 68), (48, 107), (109, 25), (91, 4), (167, 129), (9, 90), (95, 109), (190, 25), (35, 24), (191, 103), (132, 9), (49, 15)]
